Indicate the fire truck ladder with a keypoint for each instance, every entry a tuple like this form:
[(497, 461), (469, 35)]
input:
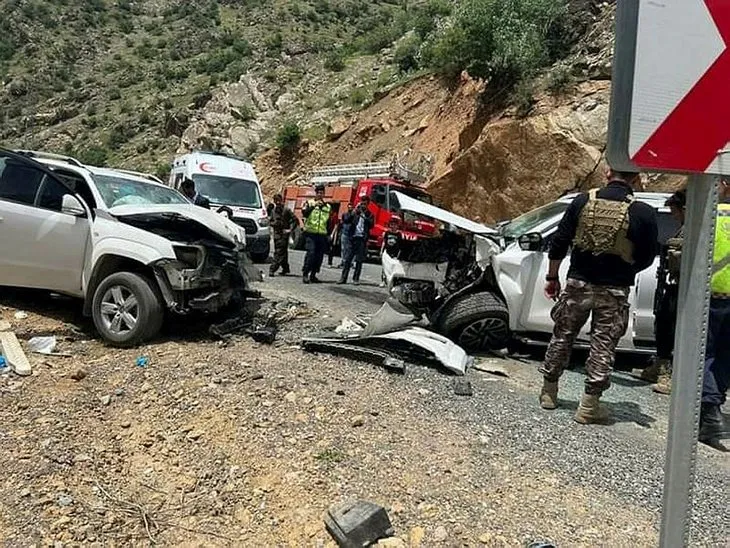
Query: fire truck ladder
[(350, 173)]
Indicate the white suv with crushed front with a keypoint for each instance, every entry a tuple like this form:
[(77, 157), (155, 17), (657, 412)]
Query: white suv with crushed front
[(127, 245)]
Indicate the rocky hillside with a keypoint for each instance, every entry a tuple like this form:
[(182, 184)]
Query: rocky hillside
[(130, 81), (489, 164), (303, 82)]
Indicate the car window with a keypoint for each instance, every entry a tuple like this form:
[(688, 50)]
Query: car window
[(119, 191), (532, 219), (51, 194), (19, 182), (77, 184)]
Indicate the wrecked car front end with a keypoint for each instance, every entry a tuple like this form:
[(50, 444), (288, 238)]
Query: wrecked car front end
[(210, 269), (446, 281)]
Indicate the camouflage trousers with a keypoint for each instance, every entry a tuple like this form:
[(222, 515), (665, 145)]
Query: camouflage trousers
[(281, 254), (609, 308)]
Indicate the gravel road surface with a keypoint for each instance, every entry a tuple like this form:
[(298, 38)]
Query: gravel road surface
[(241, 444)]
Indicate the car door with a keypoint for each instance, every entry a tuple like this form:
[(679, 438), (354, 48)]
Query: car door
[(41, 247)]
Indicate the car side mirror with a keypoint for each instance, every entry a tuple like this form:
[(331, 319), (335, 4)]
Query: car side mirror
[(71, 205), (530, 242)]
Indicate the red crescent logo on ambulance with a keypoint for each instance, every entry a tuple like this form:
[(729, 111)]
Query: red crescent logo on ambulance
[(206, 167)]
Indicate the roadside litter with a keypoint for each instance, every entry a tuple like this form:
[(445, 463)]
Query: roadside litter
[(13, 353), (359, 523), (143, 361), (348, 326), (20, 315), (261, 318)]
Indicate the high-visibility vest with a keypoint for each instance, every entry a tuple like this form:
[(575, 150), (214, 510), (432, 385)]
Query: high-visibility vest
[(318, 220), (720, 282)]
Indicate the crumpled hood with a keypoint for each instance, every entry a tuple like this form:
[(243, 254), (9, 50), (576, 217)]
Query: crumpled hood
[(412, 205), (215, 222)]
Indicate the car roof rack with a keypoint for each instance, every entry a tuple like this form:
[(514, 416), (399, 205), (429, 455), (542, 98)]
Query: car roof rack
[(140, 174), (49, 156)]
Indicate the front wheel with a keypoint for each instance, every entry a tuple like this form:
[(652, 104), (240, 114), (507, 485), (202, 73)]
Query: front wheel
[(127, 309), (477, 322)]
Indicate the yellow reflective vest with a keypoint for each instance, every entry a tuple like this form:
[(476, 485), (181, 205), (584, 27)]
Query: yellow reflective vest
[(317, 220), (720, 282)]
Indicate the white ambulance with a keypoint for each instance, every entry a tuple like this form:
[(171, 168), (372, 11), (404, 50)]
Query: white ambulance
[(231, 185)]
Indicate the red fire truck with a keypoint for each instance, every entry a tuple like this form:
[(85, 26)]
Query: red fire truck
[(348, 183)]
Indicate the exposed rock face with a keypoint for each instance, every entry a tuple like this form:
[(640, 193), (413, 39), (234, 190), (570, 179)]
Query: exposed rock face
[(516, 164)]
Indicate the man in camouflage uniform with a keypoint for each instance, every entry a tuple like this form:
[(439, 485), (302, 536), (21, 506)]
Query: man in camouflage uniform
[(613, 237), (282, 222)]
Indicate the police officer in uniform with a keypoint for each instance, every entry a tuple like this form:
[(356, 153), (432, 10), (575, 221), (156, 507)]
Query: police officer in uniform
[(282, 222), (316, 224), (614, 237), (717, 352)]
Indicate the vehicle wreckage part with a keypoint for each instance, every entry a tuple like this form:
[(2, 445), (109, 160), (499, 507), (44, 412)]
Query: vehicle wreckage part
[(412, 205), (127, 309), (355, 352), (390, 317), (448, 354), (478, 321)]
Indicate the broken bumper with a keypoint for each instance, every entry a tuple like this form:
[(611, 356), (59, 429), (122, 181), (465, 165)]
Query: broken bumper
[(220, 275)]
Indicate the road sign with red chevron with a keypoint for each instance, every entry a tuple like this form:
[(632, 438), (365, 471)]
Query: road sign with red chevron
[(670, 108)]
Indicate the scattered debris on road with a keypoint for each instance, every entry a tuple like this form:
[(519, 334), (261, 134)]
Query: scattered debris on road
[(21, 315), (490, 366), (356, 524), (79, 374), (42, 345), (13, 353), (414, 345), (143, 361)]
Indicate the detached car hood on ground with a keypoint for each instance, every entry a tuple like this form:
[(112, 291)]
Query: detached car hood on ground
[(210, 220), (412, 205)]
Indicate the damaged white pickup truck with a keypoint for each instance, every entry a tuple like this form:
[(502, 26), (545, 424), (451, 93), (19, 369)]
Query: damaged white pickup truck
[(483, 287), (127, 245)]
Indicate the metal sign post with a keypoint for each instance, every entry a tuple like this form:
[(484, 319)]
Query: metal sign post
[(670, 113), (689, 358)]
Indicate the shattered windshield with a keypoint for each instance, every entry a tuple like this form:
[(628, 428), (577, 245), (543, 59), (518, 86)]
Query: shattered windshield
[(228, 191), (118, 191), (528, 222)]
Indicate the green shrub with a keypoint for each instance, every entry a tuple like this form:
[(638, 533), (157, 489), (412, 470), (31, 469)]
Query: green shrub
[(335, 61), (288, 137), (93, 156), (504, 42), (358, 96), (406, 54)]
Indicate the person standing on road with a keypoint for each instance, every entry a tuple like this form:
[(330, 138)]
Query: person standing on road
[(362, 223), (317, 215), (283, 222), (665, 301), (717, 352), (346, 227), (613, 237), (188, 189)]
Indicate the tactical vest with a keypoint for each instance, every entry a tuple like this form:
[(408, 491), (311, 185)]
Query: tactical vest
[(318, 219), (603, 227), (720, 282)]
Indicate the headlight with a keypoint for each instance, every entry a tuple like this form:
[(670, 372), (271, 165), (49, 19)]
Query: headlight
[(190, 256)]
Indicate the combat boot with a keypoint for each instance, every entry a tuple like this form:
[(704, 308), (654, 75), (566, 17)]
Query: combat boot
[(549, 395), (650, 373), (664, 382), (712, 426), (590, 410)]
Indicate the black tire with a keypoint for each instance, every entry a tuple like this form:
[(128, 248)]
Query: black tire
[(150, 309), (477, 322), (296, 239)]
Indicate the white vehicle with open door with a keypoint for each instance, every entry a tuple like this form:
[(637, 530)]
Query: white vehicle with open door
[(483, 287)]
